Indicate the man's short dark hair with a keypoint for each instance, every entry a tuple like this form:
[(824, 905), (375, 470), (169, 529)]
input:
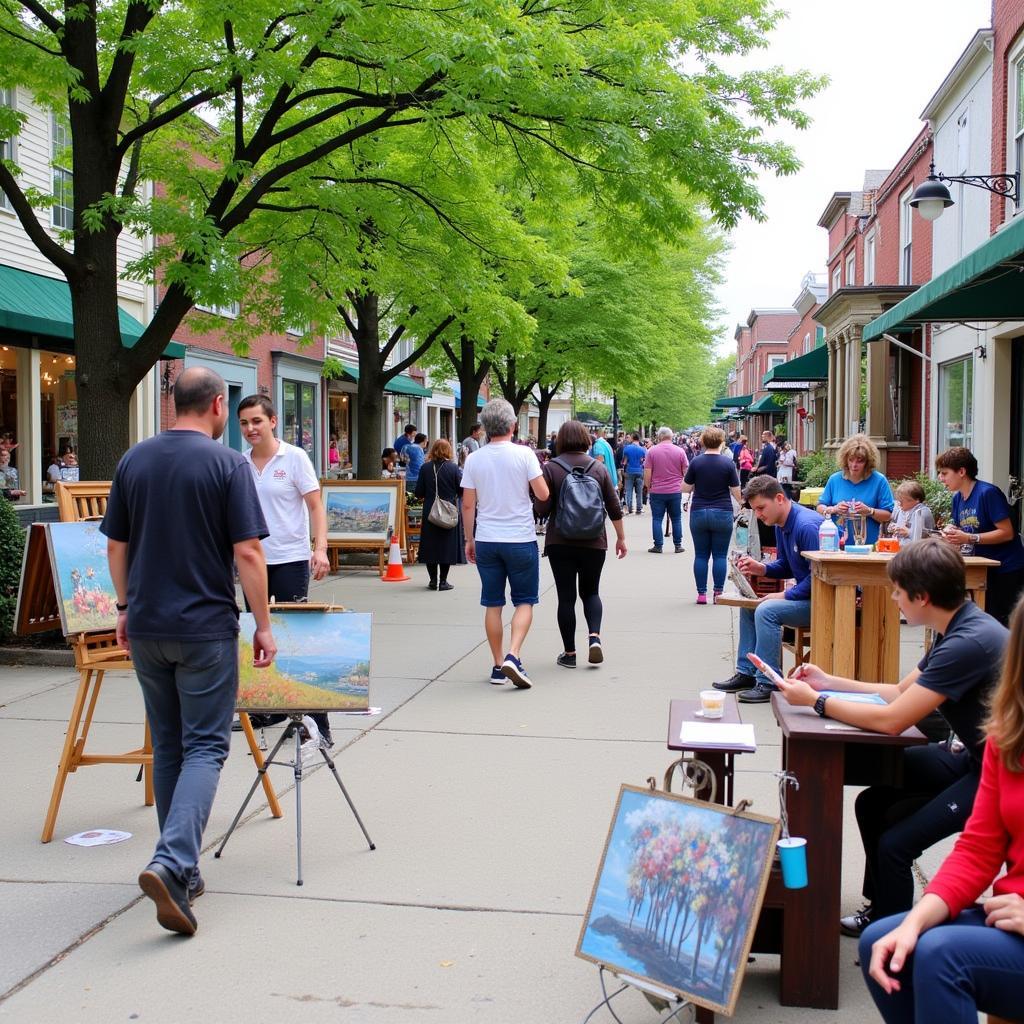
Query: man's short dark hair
[(958, 458), (476, 426), (254, 401), (762, 487), (419, 439), (635, 436), (932, 567), (410, 428), (196, 388)]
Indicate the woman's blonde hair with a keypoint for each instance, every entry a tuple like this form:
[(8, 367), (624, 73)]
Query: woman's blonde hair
[(712, 437), (1005, 725), (862, 445)]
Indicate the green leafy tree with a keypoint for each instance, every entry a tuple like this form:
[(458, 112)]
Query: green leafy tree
[(630, 93)]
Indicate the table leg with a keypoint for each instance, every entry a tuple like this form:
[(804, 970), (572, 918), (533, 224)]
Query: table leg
[(844, 632), (810, 937), (822, 623), (878, 654)]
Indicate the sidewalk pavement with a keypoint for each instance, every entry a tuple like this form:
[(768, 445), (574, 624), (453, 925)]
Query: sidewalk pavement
[(489, 807)]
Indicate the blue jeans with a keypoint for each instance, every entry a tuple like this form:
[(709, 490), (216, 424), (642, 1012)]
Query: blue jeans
[(711, 529), (635, 486), (673, 504), (517, 562), (958, 969), (761, 632), (190, 689)]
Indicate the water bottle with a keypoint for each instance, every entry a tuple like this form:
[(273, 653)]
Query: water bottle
[(828, 535)]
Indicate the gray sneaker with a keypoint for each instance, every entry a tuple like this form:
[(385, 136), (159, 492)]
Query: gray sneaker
[(759, 694), (854, 924)]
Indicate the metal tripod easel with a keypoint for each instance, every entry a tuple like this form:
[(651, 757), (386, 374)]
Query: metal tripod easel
[(294, 728)]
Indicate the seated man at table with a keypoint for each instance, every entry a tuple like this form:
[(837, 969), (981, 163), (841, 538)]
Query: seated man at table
[(898, 823), (796, 531)]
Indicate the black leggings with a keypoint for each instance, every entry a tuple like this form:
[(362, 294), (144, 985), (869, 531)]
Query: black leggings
[(432, 568), (569, 563)]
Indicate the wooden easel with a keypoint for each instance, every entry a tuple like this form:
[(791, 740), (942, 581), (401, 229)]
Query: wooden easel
[(336, 547)]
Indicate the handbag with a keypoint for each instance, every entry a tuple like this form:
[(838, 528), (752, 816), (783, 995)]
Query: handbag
[(443, 513)]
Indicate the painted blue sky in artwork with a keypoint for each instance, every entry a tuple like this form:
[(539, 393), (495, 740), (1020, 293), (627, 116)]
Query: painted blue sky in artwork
[(340, 499), (80, 546), (345, 636)]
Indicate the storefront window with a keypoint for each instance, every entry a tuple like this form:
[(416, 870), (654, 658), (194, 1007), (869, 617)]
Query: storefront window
[(340, 429), (401, 414), (299, 414), (58, 403), (956, 404)]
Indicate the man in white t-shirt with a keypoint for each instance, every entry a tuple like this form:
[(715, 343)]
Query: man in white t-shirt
[(500, 535), (289, 493)]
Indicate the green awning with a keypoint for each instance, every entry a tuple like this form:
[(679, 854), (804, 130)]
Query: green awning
[(33, 304), (733, 402), (984, 285), (766, 405), (804, 373), (400, 385)]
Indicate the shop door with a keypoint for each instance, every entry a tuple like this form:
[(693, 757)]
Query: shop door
[(1016, 476)]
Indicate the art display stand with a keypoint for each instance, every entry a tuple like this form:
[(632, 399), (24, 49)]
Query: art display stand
[(291, 731), (661, 999), (335, 548)]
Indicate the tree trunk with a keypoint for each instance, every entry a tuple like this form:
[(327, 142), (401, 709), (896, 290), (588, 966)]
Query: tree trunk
[(370, 393), (470, 375)]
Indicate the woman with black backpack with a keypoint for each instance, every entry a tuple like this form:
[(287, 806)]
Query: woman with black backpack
[(581, 496)]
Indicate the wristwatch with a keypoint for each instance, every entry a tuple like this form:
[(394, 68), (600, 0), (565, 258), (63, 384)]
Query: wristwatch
[(819, 705), (121, 607)]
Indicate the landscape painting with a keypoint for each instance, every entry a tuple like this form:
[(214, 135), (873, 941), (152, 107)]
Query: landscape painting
[(85, 592), (678, 894), (360, 513), (322, 663)]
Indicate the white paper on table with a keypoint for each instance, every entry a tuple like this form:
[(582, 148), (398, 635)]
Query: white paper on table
[(735, 736), (98, 837)]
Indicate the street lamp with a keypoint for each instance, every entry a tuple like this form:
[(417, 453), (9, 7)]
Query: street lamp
[(931, 197)]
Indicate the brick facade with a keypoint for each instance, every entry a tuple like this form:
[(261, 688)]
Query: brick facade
[(1007, 26)]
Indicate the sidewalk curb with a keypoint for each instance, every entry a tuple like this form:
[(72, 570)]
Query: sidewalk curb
[(36, 656)]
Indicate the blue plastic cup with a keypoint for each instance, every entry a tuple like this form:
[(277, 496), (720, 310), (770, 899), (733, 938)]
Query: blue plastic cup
[(793, 855)]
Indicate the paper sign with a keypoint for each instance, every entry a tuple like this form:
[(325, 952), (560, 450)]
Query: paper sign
[(718, 734), (98, 837)]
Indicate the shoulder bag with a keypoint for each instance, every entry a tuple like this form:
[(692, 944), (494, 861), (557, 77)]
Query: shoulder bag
[(443, 513)]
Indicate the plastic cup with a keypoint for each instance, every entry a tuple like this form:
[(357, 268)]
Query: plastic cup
[(793, 856), (712, 703)]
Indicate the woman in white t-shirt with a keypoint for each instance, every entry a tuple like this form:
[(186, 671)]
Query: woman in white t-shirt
[(289, 493)]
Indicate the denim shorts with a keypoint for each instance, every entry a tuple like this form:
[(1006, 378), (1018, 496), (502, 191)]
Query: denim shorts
[(518, 563)]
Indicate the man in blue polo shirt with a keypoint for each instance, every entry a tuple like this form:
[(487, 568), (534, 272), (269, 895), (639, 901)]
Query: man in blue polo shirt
[(633, 455), (796, 530)]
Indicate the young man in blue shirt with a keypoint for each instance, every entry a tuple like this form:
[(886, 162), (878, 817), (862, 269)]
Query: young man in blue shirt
[(796, 531), (981, 517), (633, 455)]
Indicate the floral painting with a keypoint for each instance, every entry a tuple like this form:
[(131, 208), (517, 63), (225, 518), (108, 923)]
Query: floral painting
[(85, 591), (322, 663), (678, 894)]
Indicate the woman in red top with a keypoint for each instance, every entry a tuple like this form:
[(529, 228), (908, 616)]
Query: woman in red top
[(950, 957)]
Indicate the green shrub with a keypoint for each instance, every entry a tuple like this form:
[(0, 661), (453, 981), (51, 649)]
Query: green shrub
[(936, 497), (815, 469), (12, 546)]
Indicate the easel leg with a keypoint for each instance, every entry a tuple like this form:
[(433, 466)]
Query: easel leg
[(67, 757), (348, 799), (255, 782), (257, 757), (147, 767), (298, 802)]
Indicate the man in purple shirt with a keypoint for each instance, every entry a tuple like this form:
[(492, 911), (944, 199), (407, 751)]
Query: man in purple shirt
[(664, 469)]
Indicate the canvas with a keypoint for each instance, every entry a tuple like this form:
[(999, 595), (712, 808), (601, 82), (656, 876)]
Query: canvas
[(360, 510), (678, 893), (322, 663), (85, 592)]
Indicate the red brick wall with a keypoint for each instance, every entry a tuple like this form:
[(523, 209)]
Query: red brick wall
[(1007, 24)]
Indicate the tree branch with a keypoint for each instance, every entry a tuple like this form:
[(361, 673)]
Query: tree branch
[(136, 18), (420, 349), (63, 260), (169, 115), (43, 16)]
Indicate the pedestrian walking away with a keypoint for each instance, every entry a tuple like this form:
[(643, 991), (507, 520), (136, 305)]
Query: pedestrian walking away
[(501, 538), (178, 617), (576, 562), (714, 483), (633, 457), (664, 469), (440, 547), (289, 495)]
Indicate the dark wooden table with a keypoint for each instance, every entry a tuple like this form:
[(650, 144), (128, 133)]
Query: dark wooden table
[(824, 760), (718, 759)]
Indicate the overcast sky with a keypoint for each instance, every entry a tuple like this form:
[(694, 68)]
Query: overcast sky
[(885, 59)]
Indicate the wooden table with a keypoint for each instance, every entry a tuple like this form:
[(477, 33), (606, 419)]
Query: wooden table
[(718, 759), (822, 759), (874, 653)]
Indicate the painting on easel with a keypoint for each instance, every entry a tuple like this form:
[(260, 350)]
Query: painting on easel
[(322, 663), (85, 592)]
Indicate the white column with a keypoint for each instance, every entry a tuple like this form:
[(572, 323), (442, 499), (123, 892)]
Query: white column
[(30, 425)]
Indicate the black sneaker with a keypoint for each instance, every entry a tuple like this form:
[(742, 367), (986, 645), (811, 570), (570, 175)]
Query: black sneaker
[(759, 694), (326, 740), (566, 660), (655, 550), (173, 911), (497, 676), (738, 681), (196, 887), (445, 585), (854, 924), (680, 549)]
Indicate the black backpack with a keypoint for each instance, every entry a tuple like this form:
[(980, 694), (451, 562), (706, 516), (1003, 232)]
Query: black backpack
[(581, 512)]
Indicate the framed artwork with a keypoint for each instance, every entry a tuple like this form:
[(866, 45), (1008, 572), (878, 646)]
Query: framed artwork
[(678, 894), (361, 511), (322, 663), (86, 597)]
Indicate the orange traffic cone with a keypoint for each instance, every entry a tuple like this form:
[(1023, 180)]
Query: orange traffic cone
[(395, 572)]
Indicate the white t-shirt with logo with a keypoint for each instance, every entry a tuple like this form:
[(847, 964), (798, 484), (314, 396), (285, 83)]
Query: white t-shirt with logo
[(281, 485), (500, 473)]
